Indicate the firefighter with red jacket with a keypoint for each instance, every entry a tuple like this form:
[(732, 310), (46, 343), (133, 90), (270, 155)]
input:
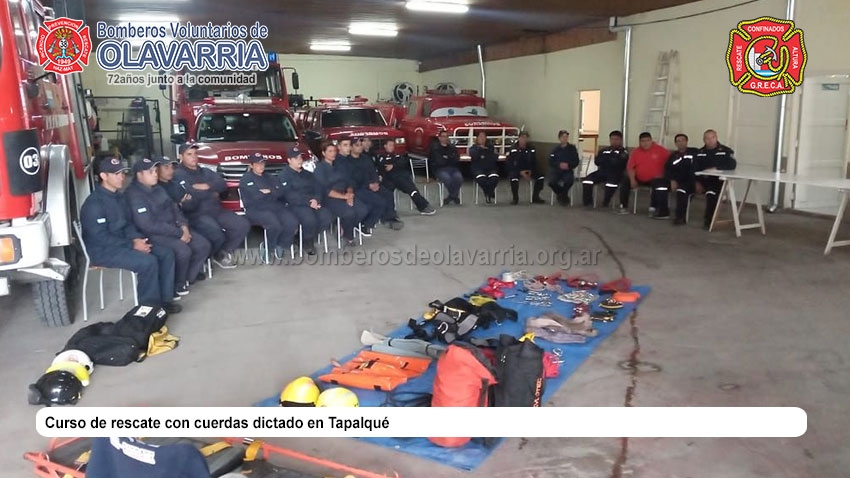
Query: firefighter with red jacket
[(645, 165), (717, 156), (522, 162), (611, 164), (679, 177)]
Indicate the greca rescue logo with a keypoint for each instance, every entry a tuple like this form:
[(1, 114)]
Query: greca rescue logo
[(766, 57)]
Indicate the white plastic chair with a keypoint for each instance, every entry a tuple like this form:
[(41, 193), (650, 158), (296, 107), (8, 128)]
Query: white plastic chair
[(90, 267)]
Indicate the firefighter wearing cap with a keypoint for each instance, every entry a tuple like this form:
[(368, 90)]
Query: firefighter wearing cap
[(165, 173), (224, 229), (112, 239), (522, 163), (394, 171), (563, 160), (336, 190), (712, 155), (485, 166), (367, 187), (159, 218), (301, 194), (678, 177), (611, 165), (261, 196)]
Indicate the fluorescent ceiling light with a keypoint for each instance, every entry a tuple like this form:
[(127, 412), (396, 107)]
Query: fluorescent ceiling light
[(373, 29), (442, 6), (330, 46)]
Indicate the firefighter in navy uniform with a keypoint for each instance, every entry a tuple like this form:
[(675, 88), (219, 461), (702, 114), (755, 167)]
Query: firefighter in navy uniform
[(209, 218), (393, 170), (301, 192), (444, 160), (159, 218), (367, 186), (522, 163), (611, 165), (374, 205), (336, 190), (485, 166), (261, 196), (113, 241), (679, 177), (563, 160), (712, 155)]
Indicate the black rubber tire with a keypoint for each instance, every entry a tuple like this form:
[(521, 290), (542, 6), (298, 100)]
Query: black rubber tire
[(52, 303)]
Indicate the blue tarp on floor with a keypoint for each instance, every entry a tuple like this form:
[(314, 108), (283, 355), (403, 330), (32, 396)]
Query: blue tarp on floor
[(473, 454)]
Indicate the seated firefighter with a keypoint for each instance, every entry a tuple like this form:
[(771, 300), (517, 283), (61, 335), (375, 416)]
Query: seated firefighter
[(485, 166), (678, 177), (444, 160), (522, 163), (395, 174), (563, 160), (646, 164), (611, 165), (160, 219), (367, 186), (302, 195), (113, 241), (261, 197), (336, 190)]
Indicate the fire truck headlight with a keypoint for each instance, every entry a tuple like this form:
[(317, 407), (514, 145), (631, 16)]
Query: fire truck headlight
[(399, 141), (9, 253)]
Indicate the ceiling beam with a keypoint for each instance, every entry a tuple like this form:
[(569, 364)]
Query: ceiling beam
[(576, 37)]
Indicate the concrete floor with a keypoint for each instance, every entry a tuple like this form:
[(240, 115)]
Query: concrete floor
[(730, 322)]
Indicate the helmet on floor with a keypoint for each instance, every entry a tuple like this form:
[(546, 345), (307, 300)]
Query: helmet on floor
[(338, 397), (301, 392), (75, 368), (75, 356), (58, 387)]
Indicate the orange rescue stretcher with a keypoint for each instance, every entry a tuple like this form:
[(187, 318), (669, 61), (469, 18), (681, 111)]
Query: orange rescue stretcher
[(67, 458)]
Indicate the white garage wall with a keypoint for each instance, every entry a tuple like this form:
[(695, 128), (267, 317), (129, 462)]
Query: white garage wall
[(542, 91), (702, 87), (825, 32), (340, 76)]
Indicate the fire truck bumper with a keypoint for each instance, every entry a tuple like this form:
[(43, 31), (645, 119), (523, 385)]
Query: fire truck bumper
[(24, 253)]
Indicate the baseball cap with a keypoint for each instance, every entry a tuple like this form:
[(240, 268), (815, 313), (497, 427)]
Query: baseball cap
[(167, 160), (293, 152), (256, 158), (185, 147), (113, 165), (144, 165)]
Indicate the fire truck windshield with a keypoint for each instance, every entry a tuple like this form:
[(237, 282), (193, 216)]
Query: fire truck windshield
[(231, 127), (268, 84), (459, 111), (352, 117)]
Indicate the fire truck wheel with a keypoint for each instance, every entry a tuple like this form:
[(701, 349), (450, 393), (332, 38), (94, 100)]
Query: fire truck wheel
[(51, 302)]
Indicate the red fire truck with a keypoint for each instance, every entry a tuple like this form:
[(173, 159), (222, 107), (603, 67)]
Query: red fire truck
[(463, 115), (229, 123), (349, 117), (46, 150)]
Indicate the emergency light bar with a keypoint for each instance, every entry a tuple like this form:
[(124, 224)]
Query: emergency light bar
[(241, 101), (357, 100)]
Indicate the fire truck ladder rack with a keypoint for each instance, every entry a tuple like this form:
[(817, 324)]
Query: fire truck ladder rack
[(658, 115), (133, 118)]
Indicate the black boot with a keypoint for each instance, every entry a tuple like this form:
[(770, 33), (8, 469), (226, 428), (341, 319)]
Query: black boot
[(710, 206), (538, 188), (587, 193), (515, 192)]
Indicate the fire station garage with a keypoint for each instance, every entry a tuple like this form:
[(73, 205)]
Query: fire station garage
[(624, 221)]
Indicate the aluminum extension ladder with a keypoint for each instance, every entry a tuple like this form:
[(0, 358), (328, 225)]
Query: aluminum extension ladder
[(658, 115)]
